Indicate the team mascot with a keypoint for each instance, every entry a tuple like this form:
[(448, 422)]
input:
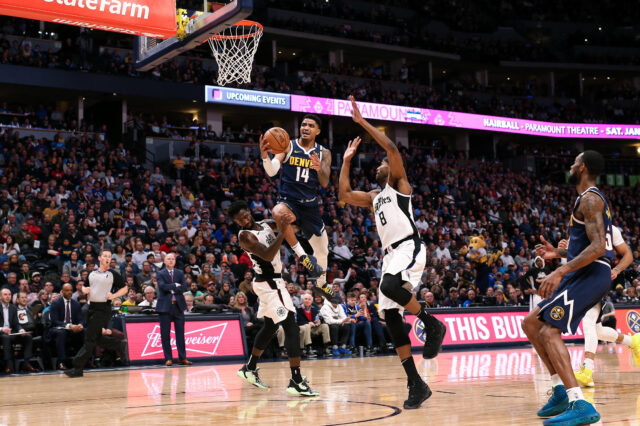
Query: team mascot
[(476, 252)]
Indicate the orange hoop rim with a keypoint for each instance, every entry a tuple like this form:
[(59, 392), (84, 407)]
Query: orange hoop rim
[(243, 23)]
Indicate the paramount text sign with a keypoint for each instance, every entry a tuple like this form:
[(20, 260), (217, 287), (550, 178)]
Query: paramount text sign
[(150, 18)]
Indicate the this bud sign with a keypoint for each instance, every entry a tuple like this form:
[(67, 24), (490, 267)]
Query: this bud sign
[(478, 329), (203, 339), (149, 18)]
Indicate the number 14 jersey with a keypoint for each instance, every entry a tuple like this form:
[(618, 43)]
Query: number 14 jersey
[(298, 181), (394, 216)]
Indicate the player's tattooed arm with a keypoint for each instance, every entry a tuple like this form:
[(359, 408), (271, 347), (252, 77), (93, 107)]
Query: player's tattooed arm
[(323, 167), (591, 208), (345, 193)]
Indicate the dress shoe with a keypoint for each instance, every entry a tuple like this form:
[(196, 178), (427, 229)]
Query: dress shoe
[(29, 368), (73, 373), (184, 362), (168, 363), (62, 367)]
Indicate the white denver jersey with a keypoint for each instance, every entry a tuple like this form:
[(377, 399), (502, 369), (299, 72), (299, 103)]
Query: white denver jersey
[(617, 236), (266, 236), (394, 216)]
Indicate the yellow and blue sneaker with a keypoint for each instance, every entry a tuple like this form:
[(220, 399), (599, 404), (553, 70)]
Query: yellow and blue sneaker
[(311, 265), (558, 402), (584, 376), (579, 412), (635, 348)]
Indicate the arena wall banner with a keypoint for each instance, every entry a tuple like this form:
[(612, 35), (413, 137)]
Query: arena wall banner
[(478, 329), (205, 338), (150, 18), (226, 95), (628, 320), (342, 107)]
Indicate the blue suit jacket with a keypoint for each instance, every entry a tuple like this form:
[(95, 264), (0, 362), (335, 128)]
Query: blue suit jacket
[(165, 288), (57, 313)]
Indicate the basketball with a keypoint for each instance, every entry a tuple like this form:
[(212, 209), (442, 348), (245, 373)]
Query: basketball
[(277, 138)]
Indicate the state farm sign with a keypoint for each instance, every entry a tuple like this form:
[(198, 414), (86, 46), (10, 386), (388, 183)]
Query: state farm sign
[(150, 18), (203, 339), (478, 329)]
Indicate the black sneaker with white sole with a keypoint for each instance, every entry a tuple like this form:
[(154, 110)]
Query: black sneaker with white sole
[(301, 389), (251, 376), (418, 393)]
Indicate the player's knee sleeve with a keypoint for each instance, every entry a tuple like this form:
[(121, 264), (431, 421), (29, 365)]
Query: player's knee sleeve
[(607, 334), (391, 287), (265, 334), (292, 336), (399, 335)]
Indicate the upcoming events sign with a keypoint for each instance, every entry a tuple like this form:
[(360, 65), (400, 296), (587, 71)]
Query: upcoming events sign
[(203, 339), (225, 95)]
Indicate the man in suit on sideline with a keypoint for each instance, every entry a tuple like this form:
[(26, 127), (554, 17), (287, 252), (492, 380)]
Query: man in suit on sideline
[(170, 307), (9, 325), (66, 324)]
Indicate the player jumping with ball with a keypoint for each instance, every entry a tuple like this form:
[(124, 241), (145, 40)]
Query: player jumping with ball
[(306, 167), (405, 256)]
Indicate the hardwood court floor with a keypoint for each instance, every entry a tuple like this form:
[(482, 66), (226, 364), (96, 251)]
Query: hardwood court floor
[(496, 387)]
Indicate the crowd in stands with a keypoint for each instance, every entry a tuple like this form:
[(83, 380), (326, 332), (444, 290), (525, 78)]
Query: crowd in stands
[(63, 200), (613, 103)]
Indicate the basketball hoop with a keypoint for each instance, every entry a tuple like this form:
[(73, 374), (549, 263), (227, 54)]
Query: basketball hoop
[(234, 49)]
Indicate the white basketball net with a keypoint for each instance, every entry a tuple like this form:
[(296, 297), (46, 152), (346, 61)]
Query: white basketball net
[(234, 49)]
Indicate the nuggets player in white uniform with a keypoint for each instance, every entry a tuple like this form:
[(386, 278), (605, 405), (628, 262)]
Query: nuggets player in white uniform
[(593, 328), (405, 254), (258, 239)]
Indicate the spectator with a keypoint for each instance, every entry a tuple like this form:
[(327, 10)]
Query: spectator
[(251, 322), (360, 321), (149, 298), (12, 332), (66, 328), (308, 316), (339, 326), (452, 301), (471, 298), (132, 299), (198, 296)]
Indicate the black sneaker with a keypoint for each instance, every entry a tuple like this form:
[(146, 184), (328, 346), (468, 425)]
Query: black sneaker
[(311, 265), (73, 373), (301, 389), (251, 376), (435, 331), (310, 353), (123, 359), (418, 393)]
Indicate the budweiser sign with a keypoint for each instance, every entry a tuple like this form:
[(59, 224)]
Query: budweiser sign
[(203, 339), (150, 18)]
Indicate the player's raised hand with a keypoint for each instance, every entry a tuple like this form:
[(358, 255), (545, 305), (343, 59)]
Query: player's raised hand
[(546, 250), (352, 148), (315, 161), (264, 147), (355, 111)]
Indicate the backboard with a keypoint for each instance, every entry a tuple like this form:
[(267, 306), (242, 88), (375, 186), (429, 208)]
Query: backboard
[(192, 31)]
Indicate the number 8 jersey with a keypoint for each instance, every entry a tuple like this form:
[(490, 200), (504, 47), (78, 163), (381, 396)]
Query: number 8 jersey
[(394, 216), (298, 181)]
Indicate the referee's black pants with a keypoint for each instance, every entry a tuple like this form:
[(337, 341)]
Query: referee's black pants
[(97, 319)]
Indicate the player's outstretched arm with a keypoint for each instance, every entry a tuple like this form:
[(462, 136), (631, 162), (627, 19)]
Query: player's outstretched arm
[(249, 242), (398, 175), (345, 193), (271, 165)]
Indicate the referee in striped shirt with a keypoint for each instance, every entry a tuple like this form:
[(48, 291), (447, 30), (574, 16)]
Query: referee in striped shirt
[(101, 284)]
